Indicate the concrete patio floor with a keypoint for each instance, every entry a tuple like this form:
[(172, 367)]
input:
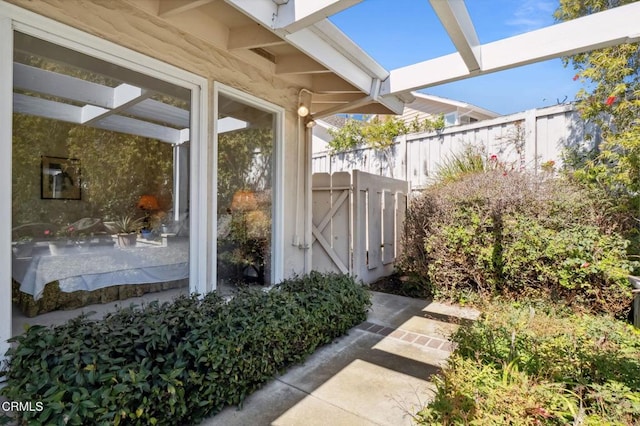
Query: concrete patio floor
[(378, 374)]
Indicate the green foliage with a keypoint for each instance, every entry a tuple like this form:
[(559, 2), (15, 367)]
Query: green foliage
[(611, 95), (125, 224), (515, 234), (115, 170), (522, 365), (456, 166), (610, 98), (239, 166), (118, 168), (378, 133), (176, 363)]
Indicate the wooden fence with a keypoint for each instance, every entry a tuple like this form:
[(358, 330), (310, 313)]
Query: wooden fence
[(357, 223), (523, 140)]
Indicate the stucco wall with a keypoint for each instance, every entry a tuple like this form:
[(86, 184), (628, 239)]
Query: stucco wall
[(120, 22)]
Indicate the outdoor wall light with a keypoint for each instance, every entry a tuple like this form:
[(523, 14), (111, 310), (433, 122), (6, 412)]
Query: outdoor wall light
[(304, 102), (310, 124), (303, 111)]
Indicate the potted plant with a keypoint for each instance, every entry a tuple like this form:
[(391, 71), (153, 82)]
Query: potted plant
[(125, 228)]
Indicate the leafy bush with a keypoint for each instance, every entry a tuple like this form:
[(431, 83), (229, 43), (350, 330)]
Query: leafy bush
[(521, 366), (175, 363), (515, 234)]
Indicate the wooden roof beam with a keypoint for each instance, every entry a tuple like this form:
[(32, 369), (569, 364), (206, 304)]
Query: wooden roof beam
[(169, 8), (251, 37), (298, 64)]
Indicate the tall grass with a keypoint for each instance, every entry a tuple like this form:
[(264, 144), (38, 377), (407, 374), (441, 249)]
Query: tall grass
[(456, 166)]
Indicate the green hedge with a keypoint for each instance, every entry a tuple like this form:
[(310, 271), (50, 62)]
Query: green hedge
[(535, 365), (177, 363), (518, 235)]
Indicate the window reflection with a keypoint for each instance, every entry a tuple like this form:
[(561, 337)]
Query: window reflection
[(100, 181), (245, 174)]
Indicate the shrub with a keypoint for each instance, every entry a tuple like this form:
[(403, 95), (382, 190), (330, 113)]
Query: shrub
[(515, 234), (522, 366), (175, 363)]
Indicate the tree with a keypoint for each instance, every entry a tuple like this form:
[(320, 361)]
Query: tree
[(610, 99)]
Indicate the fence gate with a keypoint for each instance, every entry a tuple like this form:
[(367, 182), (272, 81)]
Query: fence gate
[(357, 223)]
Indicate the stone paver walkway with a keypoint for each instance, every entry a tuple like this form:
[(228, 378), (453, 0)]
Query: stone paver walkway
[(379, 374)]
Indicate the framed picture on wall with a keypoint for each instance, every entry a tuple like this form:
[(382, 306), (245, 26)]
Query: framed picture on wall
[(60, 178)]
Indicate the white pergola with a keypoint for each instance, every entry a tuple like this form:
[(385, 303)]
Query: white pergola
[(304, 24), (295, 41)]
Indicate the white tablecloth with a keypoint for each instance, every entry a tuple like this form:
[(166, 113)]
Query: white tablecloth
[(101, 267)]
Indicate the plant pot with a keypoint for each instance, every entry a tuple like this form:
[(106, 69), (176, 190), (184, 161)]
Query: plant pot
[(127, 240)]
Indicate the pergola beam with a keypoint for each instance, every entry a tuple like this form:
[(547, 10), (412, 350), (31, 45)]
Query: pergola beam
[(319, 42), (603, 29), (74, 114), (456, 20)]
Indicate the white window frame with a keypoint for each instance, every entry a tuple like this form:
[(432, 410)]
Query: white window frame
[(13, 18), (277, 227)]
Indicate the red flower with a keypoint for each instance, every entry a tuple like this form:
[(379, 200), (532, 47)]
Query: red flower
[(47, 232), (493, 157), (575, 77), (585, 265), (610, 100)]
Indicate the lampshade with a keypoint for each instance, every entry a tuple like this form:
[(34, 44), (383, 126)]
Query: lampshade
[(244, 200), (148, 202)]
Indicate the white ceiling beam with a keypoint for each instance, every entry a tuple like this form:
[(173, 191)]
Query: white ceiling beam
[(50, 83), (456, 21), (298, 64), (118, 123), (39, 107), (298, 14), (157, 111), (169, 8), (603, 29), (90, 112), (34, 79), (74, 114), (251, 37)]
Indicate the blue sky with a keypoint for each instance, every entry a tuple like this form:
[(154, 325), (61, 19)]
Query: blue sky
[(402, 32)]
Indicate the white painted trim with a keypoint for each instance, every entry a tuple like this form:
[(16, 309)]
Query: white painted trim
[(456, 20), (55, 32), (277, 259), (608, 28), (6, 120), (201, 262)]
